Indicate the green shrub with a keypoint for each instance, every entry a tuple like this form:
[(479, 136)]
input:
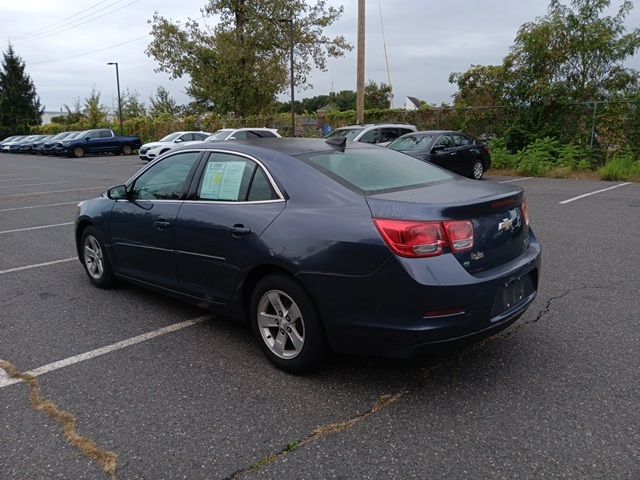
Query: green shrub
[(501, 157), (622, 167), (537, 158)]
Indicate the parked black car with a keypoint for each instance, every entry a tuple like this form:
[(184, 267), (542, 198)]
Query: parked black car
[(320, 245), (28, 147), (454, 151), (47, 147)]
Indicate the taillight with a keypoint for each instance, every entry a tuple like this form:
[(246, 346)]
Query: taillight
[(425, 239), (525, 211), (460, 234)]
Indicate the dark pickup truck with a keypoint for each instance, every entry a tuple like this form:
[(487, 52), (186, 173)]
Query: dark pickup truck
[(97, 141)]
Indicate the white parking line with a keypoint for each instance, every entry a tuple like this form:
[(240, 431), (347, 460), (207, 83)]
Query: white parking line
[(593, 193), (36, 228), (516, 180), (4, 381), (32, 184), (38, 206), (19, 179), (53, 191), (36, 265)]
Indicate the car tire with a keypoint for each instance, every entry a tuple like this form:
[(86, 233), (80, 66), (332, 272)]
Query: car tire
[(78, 152), (478, 170), (127, 150), (286, 324), (95, 259)]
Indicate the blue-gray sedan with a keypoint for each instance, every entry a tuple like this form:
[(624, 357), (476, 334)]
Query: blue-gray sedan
[(319, 245)]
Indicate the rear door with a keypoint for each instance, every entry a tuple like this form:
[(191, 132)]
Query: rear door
[(142, 227), (465, 154), (444, 154), (233, 202)]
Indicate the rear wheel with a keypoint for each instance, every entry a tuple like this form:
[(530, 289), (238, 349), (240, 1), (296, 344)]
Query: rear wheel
[(126, 150), (478, 170), (78, 152), (95, 259), (287, 325)]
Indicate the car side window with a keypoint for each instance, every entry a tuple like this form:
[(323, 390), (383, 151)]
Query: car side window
[(264, 134), (445, 140), (184, 138), (388, 134), (241, 135), (404, 131), (261, 188), (167, 179), (370, 137), (105, 134), (200, 136), (461, 140), (231, 178), (92, 135)]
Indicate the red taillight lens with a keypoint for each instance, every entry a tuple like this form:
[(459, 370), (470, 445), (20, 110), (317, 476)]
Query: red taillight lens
[(460, 234), (412, 239), (525, 212), (425, 239)]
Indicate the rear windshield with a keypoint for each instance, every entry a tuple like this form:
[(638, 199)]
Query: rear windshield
[(374, 170)]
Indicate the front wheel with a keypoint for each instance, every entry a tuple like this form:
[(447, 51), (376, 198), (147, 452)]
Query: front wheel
[(78, 152), (95, 259), (286, 324), (478, 170)]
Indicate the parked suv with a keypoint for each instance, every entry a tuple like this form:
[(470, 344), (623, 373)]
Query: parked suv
[(377, 133), (149, 151)]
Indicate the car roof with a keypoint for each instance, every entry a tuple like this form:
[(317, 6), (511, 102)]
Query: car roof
[(289, 146), (370, 125)]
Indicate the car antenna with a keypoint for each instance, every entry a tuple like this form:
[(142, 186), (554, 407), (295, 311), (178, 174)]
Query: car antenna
[(338, 142)]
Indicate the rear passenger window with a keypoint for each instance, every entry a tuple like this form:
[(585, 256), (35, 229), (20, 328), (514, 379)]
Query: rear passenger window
[(388, 134), (231, 178), (105, 134), (461, 140), (370, 137)]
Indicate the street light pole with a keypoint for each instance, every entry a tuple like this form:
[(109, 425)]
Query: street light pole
[(119, 99)]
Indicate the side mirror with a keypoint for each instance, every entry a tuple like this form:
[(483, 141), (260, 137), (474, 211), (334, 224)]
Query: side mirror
[(118, 193), (178, 140), (86, 139), (232, 138), (437, 149)]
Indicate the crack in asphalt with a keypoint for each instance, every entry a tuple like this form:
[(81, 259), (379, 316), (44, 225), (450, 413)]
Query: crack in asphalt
[(317, 434), (107, 459), (386, 400)]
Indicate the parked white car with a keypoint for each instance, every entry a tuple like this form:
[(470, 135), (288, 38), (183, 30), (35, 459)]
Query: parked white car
[(242, 134), (152, 150), (377, 133)]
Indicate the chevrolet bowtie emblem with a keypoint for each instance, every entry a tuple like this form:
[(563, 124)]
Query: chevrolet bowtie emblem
[(506, 225)]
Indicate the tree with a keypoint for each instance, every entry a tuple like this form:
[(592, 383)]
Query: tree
[(344, 100), (19, 102), (241, 64), (573, 55), (94, 112), (132, 106), (377, 96), (74, 113), (163, 103)]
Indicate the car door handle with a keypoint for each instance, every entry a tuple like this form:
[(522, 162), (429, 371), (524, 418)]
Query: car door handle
[(162, 224), (239, 229)]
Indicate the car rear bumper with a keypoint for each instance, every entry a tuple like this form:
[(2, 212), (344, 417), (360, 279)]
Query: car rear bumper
[(396, 313)]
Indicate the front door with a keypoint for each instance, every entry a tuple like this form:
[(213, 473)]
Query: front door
[(142, 227)]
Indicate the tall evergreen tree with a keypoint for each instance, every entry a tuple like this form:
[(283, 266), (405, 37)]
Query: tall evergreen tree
[(19, 104)]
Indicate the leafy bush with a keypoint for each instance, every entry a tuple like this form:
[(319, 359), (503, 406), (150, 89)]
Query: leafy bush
[(501, 157), (623, 167), (537, 158)]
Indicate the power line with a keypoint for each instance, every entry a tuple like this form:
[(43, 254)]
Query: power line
[(89, 52), (46, 27), (73, 25)]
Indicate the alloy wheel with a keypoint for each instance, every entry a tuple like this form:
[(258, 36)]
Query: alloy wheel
[(93, 257), (478, 170), (281, 324)]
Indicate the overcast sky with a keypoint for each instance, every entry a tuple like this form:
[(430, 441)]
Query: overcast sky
[(426, 41)]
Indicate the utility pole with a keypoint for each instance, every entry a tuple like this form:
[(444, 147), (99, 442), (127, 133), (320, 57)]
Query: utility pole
[(360, 76), (291, 67), (119, 99)]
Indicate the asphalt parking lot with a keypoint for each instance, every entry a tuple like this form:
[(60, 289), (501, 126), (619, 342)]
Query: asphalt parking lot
[(555, 395)]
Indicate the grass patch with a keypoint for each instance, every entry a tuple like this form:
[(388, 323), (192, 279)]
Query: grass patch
[(624, 167)]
